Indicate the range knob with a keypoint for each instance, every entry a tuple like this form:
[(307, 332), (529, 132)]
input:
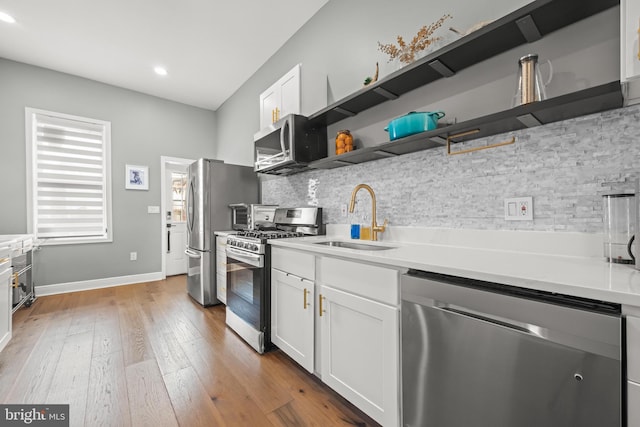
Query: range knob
[(254, 248)]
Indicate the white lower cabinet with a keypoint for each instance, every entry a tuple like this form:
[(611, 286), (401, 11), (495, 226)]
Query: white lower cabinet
[(292, 325), (359, 348), (221, 268), (633, 404), (292, 304), (6, 300), (360, 335), (341, 320), (633, 371), (633, 348)]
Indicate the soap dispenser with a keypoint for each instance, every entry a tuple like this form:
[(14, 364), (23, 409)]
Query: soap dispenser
[(355, 226)]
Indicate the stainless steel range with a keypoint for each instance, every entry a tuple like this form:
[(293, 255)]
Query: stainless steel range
[(249, 272)]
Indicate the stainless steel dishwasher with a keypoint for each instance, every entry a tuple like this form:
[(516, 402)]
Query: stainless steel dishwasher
[(488, 355)]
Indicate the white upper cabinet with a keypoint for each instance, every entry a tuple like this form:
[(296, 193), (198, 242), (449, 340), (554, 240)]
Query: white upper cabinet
[(297, 92), (630, 48)]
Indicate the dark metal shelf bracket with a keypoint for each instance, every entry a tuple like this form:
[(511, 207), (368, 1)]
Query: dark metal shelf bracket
[(385, 93), (385, 153), (529, 120), (528, 28), (441, 68), (344, 111)]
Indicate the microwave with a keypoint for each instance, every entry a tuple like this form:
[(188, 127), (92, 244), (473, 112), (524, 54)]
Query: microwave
[(252, 216), (288, 145)]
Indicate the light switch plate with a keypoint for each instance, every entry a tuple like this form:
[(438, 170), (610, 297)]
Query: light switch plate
[(153, 209), (518, 209)]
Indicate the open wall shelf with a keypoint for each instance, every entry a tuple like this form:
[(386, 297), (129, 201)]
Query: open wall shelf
[(575, 104), (525, 25)]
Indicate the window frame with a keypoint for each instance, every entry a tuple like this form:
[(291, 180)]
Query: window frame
[(31, 167)]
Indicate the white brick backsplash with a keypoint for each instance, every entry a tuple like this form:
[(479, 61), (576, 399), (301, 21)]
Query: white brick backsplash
[(565, 166)]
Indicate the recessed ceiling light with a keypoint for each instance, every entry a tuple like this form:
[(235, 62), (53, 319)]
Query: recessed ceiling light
[(5, 17), (161, 71)]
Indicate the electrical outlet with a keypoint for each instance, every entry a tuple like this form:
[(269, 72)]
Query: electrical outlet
[(153, 209), (343, 210), (518, 209), (133, 256)]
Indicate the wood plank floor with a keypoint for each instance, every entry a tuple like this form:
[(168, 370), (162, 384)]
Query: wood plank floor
[(146, 354)]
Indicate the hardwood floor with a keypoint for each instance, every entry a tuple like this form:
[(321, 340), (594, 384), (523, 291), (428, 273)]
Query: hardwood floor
[(146, 354)]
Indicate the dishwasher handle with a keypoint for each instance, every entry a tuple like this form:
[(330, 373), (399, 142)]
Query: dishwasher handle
[(496, 320)]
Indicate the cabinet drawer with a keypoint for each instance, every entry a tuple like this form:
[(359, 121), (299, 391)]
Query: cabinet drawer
[(633, 404), (301, 264), (633, 349), (369, 281)]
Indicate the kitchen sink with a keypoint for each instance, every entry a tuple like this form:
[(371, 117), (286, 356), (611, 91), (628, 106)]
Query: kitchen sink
[(354, 245)]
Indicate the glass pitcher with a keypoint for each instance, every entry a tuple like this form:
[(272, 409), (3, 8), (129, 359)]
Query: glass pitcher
[(530, 87)]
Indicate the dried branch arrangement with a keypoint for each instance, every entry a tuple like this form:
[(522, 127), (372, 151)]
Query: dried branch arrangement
[(406, 53)]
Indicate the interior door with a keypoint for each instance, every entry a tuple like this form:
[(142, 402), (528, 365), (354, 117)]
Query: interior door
[(176, 232)]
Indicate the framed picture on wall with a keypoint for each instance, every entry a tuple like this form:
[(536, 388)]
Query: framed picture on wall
[(137, 177)]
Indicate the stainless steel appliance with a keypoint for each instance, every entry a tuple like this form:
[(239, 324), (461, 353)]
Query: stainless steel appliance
[(289, 145), (636, 259), (488, 355), (249, 272), (21, 253), (213, 185), (23, 290), (620, 219), (250, 216)]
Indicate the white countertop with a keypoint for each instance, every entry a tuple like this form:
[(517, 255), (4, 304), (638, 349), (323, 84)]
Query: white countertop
[(12, 238), (587, 277), (224, 232)]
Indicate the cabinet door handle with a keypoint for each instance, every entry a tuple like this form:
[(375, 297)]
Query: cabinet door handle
[(305, 299), (639, 38), (322, 310)]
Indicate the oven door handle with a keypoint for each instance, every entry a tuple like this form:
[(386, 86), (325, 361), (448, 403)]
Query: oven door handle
[(251, 259), (192, 254)]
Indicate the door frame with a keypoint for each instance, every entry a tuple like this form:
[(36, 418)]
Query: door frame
[(164, 162)]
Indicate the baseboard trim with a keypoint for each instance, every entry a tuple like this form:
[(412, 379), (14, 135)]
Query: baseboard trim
[(85, 285)]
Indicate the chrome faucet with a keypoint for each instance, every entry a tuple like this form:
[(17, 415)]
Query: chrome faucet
[(375, 228)]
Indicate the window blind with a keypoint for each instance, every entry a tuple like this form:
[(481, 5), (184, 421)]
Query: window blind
[(70, 177)]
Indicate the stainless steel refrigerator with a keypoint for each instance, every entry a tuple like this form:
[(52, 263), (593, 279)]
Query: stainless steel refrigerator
[(213, 186)]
